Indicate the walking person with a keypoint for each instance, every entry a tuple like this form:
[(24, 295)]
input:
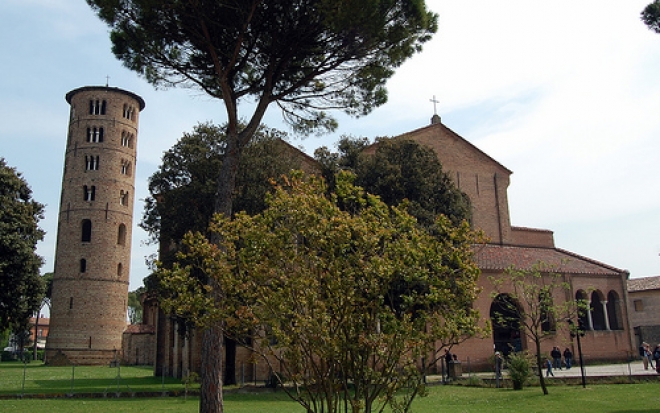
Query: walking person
[(499, 361), (549, 372), (650, 356), (643, 349), (448, 360), (656, 357), (556, 357), (568, 358)]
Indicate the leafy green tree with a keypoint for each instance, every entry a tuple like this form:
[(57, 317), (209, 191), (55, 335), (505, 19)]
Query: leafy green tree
[(184, 186), (651, 16), (4, 337), (538, 301), (47, 280), (135, 306), (315, 282), (48, 285), (349, 151), (21, 287), (305, 56), (520, 368), (399, 170)]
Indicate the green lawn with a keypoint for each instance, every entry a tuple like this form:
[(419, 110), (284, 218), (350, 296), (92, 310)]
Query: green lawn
[(619, 398), (41, 379), (604, 398)]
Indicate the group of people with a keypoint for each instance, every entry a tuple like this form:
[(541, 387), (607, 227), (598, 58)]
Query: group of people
[(555, 360), (648, 356)]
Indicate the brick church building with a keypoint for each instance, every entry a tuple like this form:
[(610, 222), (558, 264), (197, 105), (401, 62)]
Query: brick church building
[(485, 181)]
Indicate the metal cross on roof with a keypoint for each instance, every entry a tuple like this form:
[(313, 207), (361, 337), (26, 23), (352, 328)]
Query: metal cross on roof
[(435, 111)]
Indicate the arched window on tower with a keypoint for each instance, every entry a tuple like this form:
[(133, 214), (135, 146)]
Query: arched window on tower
[(121, 235), (120, 270), (123, 197), (91, 163), (127, 139), (86, 230), (125, 167), (129, 112), (95, 134), (89, 193), (97, 107), (83, 265)]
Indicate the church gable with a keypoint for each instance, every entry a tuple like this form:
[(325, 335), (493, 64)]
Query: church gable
[(455, 153), (480, 177)]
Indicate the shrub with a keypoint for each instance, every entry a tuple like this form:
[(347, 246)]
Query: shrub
[(7, 356), (474, 381), (519, 369), (190, 378), (28, 355)]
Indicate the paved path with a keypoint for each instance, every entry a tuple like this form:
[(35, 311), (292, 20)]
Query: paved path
[(635, 368)]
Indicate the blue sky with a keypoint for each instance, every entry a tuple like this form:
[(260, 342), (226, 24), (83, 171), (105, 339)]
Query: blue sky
[(565, 94)]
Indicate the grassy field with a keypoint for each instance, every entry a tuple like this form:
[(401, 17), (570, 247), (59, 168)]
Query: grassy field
[(604, 398), (36, 378), (610, 398)]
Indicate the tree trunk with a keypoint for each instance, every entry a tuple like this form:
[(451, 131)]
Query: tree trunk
[(540, 365), (36, 335), (212, 352), (227, 177), (211, 377)]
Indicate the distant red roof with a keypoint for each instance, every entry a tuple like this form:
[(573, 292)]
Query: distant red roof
[(501, 257), (140, 329), (644, 283), (515, 228)]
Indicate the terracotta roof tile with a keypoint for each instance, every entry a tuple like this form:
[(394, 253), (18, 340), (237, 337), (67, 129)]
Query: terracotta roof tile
[(140, 329), (501, 257), (530, 229), (644, 283)]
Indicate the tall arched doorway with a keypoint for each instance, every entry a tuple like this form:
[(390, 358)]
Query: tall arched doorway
[(506, 324)]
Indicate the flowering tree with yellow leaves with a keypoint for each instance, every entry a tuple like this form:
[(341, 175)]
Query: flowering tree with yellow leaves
[(342, 295)]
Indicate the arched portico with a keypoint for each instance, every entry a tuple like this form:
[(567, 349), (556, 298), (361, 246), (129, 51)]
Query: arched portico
[(614, 311), (585, 316), (506, 324), (598, 312)]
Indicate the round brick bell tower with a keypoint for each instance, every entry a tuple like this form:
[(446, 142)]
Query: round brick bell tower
[(92, 261)]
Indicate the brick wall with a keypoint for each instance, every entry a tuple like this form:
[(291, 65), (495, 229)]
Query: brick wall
[(646, 312)]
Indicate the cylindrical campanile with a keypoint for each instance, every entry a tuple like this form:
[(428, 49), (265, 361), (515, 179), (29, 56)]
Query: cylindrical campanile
[(92, 261)]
